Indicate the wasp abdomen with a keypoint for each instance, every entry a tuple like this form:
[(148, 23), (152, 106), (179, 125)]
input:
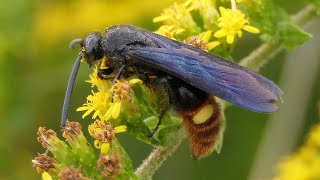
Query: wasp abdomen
[(201, 115), (203, 124)]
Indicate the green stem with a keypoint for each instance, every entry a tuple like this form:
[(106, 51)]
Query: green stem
[(305, 15), (160, 154), (260, 56), (254, 61)]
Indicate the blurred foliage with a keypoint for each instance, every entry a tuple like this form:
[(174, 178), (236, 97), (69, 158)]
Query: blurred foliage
[(303, 164), (35, 63)]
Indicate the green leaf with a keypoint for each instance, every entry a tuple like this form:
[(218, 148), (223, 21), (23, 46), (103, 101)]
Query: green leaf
[(166, 134), (169, 126), (85, 155), (126, 171), (275, 24), (292, 35)]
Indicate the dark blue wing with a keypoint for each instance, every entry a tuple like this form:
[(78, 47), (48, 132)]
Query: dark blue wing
[(212, 74)]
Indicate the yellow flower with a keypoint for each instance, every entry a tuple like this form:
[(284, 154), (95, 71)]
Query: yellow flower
[(46, 176), (314, 137), (208, 12), (44, 163), (231, 23), (97, 102), (174, 13), (106, 103), (169, 31), (205, 37), (101, 84), (176, 19), (304, 164), (104, 134), (202, 41), (105, 147), (113, 111), (120, 129), (121, 93)]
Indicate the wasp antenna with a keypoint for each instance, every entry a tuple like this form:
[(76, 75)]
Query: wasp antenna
[(68, 94), (75, 42)]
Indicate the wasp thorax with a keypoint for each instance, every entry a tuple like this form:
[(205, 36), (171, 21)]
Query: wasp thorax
[(92, 50)]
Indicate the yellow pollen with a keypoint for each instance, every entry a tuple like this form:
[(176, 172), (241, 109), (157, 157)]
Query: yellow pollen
[(203, 115)]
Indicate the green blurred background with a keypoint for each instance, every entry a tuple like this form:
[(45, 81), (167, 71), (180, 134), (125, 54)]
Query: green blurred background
[(35, 63)]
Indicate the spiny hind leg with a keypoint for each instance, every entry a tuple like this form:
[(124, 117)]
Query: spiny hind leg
[(165, 107)]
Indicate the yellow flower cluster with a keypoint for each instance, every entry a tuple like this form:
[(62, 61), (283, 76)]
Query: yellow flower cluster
[(231, 23), (177, 19), (228, 24), (106, 103), (103, 133), (304, 164)]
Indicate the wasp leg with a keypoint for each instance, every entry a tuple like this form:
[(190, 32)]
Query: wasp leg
[(162, 113), (120, 71), (144, 76), (165, 107), (102, 73)]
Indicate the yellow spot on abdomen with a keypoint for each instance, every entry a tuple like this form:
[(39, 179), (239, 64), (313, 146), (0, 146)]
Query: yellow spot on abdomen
[(203, 115)]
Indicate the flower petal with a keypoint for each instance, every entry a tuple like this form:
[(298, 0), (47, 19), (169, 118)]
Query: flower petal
[(251, 29), (107, 116), (46, 176), (83, 108), (213, 44), (239, 33), (180, 30), (95, 114), (230, 38), (119, 129), (105, 147), (87, 113), (220, 33), (116, 110), (205, 36), (160, 18), (222, 11)]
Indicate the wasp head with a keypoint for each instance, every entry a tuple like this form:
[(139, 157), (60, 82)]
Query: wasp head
[(91, 47)]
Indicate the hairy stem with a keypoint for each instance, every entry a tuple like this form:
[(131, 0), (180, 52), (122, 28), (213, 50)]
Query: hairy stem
[(160, 154), (260, 56)]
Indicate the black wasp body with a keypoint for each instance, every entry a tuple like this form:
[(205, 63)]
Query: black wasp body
[(189, 76), (125, 38)]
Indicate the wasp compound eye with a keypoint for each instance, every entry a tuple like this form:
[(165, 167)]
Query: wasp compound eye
[(92, 47)]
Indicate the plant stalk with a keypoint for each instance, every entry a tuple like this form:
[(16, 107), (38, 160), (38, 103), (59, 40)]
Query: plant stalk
[(159, 154)]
